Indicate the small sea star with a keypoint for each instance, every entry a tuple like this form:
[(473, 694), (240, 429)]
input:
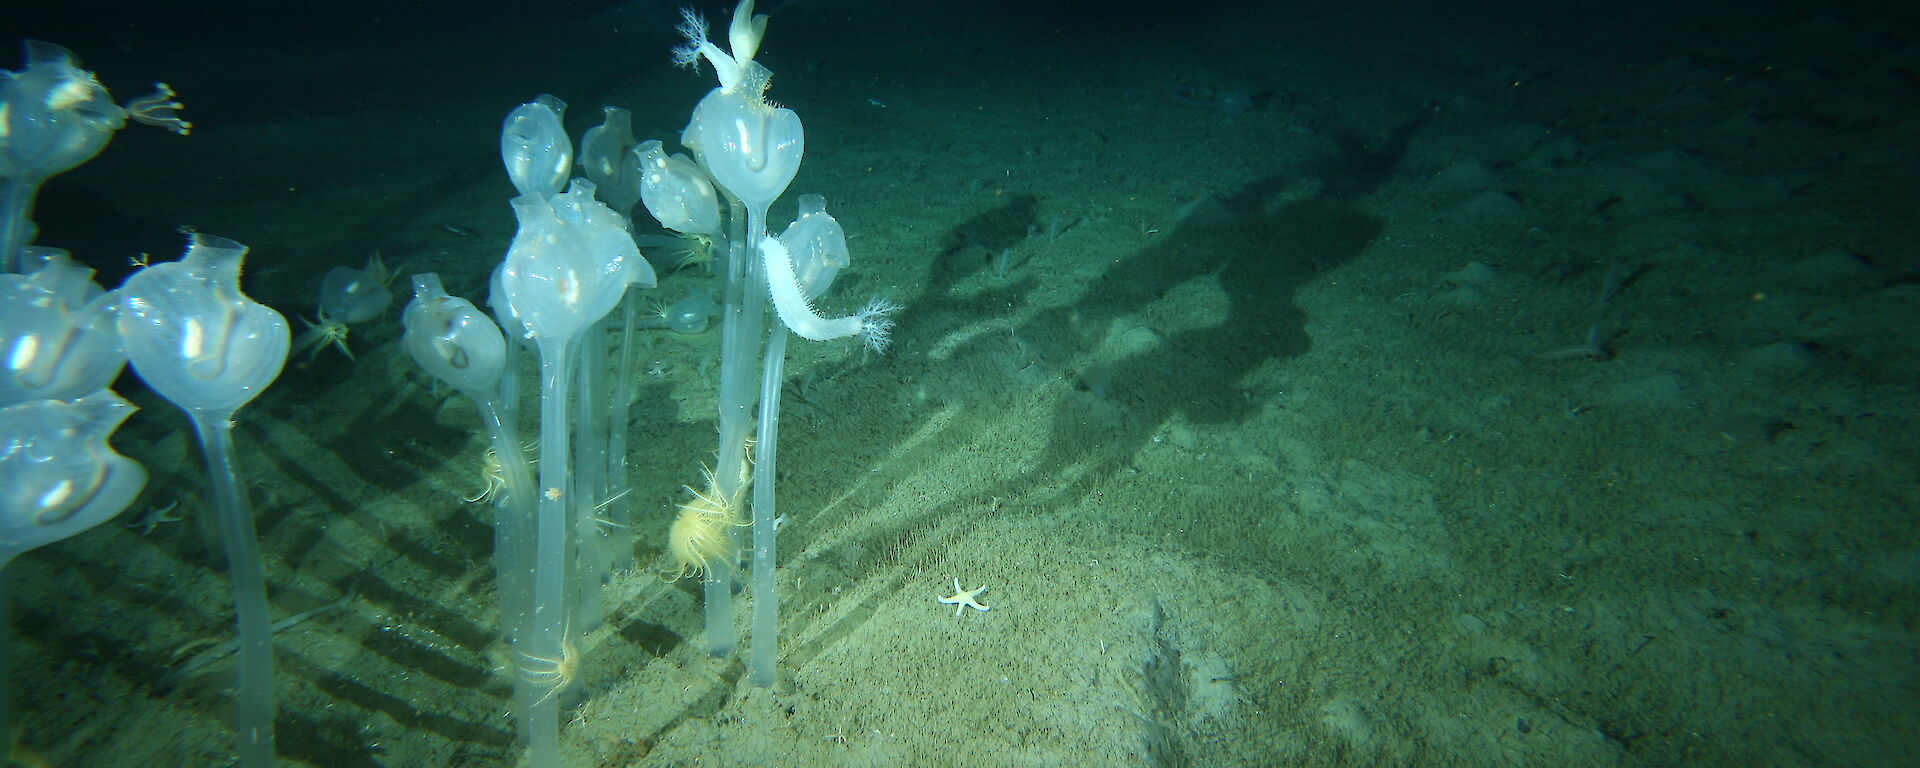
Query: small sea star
[(962, 599), (152, 518)]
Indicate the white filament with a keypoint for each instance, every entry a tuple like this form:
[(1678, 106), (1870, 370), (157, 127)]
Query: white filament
[(792, 305)]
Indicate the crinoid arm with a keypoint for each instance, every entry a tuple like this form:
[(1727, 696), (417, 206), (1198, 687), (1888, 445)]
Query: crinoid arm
[(699, 250), (495, 473), (698, 541), (555, 674), (321, 334)]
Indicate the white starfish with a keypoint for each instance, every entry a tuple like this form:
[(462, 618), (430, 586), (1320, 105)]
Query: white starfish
[(962, 599)]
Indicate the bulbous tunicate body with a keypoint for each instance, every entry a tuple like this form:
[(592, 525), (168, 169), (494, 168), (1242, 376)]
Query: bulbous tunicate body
[(690, 315)]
